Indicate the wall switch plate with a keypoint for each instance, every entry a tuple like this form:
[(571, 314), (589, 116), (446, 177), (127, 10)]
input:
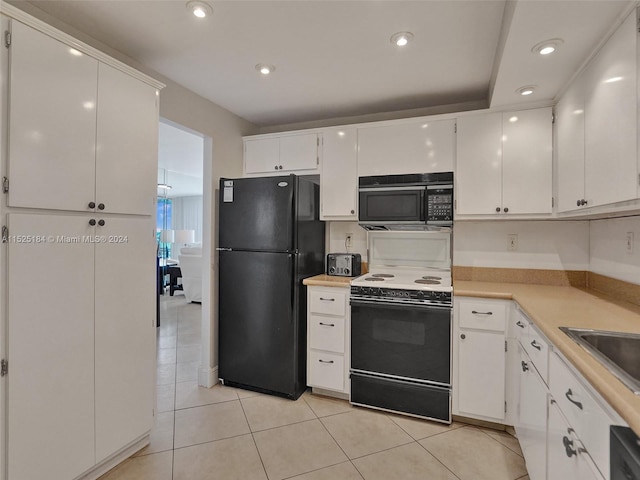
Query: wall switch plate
[(629, 242), (348, 241), (512, 242)]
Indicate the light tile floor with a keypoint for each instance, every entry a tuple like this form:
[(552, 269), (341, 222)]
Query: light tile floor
[(226, 433)]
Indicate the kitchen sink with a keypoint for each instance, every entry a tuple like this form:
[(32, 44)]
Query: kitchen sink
[(618, 352)]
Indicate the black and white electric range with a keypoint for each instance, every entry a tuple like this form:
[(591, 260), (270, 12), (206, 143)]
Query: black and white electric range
[(401, 317)]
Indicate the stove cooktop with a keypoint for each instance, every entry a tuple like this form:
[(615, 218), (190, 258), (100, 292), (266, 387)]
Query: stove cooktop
[(418, 279), (406, 285)]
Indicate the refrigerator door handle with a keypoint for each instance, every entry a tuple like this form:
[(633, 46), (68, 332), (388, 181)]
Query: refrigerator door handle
[(221, 249)]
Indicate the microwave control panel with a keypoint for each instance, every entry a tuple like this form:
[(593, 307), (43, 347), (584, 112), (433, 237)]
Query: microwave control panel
[(439, 204)]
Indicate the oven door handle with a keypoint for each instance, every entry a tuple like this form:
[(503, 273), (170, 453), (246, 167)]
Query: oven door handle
[(414, 306)]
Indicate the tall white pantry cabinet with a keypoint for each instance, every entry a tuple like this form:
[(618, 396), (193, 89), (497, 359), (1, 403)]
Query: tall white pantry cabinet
[(80, 139)]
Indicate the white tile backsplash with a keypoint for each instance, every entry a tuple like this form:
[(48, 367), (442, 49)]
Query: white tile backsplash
[(337, 235), (552, 245), (608, 248), (597, 245)]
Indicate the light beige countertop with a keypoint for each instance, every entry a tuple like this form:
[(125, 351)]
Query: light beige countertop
[(327, 281), (550, 307)]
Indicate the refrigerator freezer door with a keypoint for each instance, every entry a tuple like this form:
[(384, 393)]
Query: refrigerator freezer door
[(260, 333), (257, 213)]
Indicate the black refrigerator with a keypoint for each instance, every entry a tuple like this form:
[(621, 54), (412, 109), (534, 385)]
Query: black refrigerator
[(270, 239)]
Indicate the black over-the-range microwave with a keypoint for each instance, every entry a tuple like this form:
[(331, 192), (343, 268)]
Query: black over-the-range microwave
[(411, 200)]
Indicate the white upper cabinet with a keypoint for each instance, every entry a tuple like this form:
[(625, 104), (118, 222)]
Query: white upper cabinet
[(504, 163), (570, 147), (421, 147), (479, 165), (597, 123), (274, 155), (527, 161), (82, 133), (339, 176), (53, 97), (127, 143), (611, 161)]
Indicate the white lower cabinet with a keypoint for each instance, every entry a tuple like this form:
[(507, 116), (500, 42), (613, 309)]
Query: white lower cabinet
[(328, 334), (480, 361), (531, 423), (588, 417), (81, 341), (567, 457)]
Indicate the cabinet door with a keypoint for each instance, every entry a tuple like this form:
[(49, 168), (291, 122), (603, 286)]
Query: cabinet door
[(124, 332), (50, 347), (261, 155), (531, 425), (481, 373), (611, 165), (566, 456), (127, 143), (406, 148), (479, 164), (299, 152), (52, 115), (339, 174), (527, 161), (570, 147)]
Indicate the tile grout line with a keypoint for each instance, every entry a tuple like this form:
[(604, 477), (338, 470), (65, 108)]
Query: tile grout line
[(505, 446), (437, 459), (253, 438)]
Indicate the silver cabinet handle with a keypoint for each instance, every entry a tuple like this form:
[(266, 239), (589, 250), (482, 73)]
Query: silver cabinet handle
[(575, 402), (328, 324), (325, 361), (520, 324), (328, 299), (481, 313), (536, 345)]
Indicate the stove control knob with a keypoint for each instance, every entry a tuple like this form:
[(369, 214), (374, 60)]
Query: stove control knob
[(332, 270)]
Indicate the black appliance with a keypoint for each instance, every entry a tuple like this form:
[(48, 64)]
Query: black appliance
[(344, 264), (401, 314), (270, 239), (625, 454), (391, 201)]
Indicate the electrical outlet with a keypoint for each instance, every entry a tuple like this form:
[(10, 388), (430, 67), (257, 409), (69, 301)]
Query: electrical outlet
[(348, 241), (512, 242), (629, 242)]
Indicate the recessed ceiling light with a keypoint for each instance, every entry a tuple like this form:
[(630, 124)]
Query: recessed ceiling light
[(548, 46), (513, 119), (526, 90), (401, 38), (164, 186), (199, 9), (265, 69), (75, 52)]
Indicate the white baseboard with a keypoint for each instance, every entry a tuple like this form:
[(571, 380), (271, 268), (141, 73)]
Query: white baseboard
[(115, 459), (207, 377)]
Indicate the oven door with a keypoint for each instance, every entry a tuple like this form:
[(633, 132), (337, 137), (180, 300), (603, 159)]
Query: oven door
[(408, 342), (396, 205)]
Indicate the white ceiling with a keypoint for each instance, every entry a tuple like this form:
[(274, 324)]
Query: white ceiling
[(334, 58)]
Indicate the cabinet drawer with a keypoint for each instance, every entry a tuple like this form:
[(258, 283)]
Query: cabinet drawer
[(538, 350), (326, 370), (483, 315), (327, 301), (326, 333), (588, 419)]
